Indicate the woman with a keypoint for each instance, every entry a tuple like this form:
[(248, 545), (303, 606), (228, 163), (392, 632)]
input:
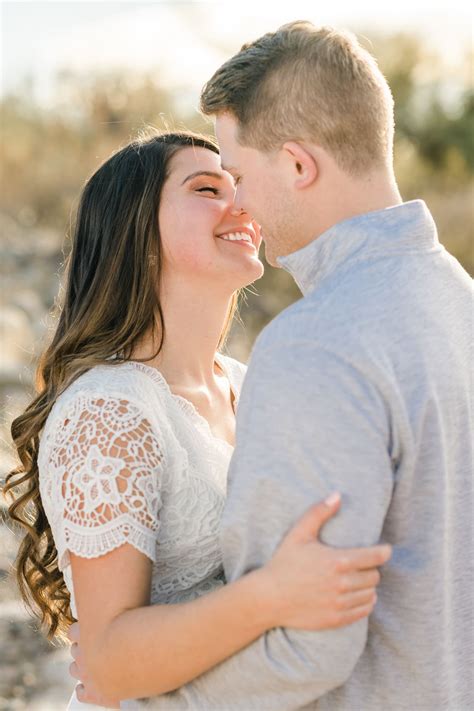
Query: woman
[(124, 451)]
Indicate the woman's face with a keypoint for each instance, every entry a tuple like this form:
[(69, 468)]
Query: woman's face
[(202, 235)]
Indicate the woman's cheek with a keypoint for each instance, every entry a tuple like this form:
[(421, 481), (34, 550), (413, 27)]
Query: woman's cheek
[(218, 208)]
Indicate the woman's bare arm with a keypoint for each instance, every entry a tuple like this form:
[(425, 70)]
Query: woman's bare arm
[(133, 650)]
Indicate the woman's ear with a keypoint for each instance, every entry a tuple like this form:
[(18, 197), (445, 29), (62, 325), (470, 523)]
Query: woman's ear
[(302, 163)]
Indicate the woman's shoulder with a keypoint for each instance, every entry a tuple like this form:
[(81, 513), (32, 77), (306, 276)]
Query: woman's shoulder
[(101, 404), (103, 450), (120, 388), (126, 380)]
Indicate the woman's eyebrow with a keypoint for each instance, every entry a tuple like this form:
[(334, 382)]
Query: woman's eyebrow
[(209, 173)]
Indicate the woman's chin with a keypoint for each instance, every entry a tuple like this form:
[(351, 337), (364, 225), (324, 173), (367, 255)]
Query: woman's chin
[(252, 273), (237, 276)]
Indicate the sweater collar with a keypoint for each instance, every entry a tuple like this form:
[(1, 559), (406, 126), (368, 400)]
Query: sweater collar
[(396, 229)]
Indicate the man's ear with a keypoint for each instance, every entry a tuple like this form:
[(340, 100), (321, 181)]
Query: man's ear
[(302, 162)]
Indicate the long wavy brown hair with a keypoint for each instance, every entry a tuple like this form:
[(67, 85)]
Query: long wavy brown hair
[(110, 301)]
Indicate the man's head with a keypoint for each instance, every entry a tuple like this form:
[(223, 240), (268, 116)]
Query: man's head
[(301, 114)]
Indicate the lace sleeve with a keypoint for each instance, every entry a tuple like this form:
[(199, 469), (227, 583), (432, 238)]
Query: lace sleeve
[(101, 480)]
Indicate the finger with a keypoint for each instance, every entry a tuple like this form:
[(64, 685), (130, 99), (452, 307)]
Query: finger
[(74, 650), (354, 614), (357, 599), (360, 580), (73, 632), (74, 671), (364, 558), (308, 526), (80, 692), (86, 696)]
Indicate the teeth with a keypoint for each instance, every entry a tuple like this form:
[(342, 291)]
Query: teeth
[(237, 236)]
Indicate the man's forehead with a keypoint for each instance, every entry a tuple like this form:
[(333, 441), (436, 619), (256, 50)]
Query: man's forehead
[(227, 167), (226, 131), (226, 124), (231, 156)]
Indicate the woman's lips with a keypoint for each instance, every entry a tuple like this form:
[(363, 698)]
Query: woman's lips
[(249, 236)]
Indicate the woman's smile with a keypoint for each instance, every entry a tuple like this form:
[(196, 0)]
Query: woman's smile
[(241, 238)]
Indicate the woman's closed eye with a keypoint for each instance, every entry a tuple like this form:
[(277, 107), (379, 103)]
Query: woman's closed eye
[(208, 188)]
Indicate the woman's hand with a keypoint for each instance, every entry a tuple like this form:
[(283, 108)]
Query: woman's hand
[(305, 585), (86, 691), (313, 586)]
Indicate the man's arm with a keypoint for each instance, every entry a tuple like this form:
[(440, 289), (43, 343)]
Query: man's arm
[(309, 423)]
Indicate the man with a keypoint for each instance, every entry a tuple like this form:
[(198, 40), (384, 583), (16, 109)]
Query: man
[(362, 386)]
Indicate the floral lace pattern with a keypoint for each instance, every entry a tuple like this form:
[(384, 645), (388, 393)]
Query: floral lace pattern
[(104, 477), (123, 460)]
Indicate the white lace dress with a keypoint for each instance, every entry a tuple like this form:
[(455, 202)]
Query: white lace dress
[(121, 460)]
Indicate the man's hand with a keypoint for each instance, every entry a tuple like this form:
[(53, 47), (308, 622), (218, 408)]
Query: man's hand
[(85, 689)]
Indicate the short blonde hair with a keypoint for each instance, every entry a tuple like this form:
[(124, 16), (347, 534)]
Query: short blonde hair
[(309, 84)]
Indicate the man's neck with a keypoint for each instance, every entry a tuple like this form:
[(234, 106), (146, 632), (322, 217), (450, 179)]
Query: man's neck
[(346, 198)]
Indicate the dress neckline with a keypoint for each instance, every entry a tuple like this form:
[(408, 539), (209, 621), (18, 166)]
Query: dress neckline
[(184, 404)]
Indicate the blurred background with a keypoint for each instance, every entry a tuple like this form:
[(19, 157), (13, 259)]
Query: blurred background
[(79, 79)]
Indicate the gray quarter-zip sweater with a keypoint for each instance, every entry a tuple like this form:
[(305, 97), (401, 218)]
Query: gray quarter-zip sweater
[(364, 387)]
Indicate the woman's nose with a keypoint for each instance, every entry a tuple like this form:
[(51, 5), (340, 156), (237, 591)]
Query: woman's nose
[(236, 211)]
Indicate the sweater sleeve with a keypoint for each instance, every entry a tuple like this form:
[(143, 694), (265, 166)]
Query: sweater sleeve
[(303, 432)]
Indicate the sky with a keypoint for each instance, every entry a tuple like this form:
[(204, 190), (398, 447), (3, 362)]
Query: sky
[(184, 42)]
